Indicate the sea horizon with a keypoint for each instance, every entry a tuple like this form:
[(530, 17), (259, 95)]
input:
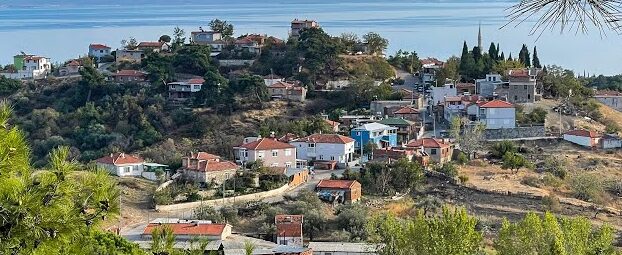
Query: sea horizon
[(63, 29)]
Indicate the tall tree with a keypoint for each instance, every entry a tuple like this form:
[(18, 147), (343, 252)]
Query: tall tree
[(178, 38), (349, 41), (318, 49), (222, 27), (91, 79), (51, 210), (467, 62), (536, 60), (493, 51), (375, 43), (449, 71), (510, 57), (523, 56)]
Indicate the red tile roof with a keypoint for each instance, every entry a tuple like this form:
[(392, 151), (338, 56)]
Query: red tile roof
[(120, 159), (584, 133), (335, 184), (332, 123), (406, 110), (427, 143), (98, 46), (288, 137), (189, 228), (431, 61), (496, 104), (205, 162), (288, 225), (326, 138), (133, 73), (266, 144), (196, 81), (203, 156), (518, 73), (280, 84)]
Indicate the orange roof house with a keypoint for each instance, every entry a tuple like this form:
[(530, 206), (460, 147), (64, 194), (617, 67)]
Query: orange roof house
[(440, 151), (207, 168), (586, 138), (189, 229), (122, 164), (289, 229), (270, 151), (349, 191)]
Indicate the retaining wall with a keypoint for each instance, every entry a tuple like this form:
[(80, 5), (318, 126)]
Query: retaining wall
[(514, 133), (228, 200)]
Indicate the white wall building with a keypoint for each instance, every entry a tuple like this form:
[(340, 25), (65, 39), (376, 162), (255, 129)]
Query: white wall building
[(121, 164), (331, 147), (98, 51), (336, 248), (584, 138), (486, 87), (494, 114), (439, 93)]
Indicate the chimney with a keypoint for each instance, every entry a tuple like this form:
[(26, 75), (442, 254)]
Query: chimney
[(272, 134), (122, 155)]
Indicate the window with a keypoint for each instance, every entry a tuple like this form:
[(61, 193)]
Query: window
[(283, 242), (321, 157), (288, 164), (515, 98), (197, 86), (332, 158), (274, 164), (275, 153), (288, 152), (433, 152), (101, 51), (127, 169), (528, 96), (311, 145), (525, 87), (260, 154), (358, 133)]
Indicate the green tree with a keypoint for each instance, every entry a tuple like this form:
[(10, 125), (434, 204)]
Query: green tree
[(222, 26), (467, 62), (536, 60), (523, 56), (159, 70), (349, 41), (499, 149), (493, 51), (451, 233), (214, 90), (254, 86), (129, 44), (9, 86), (178, 38), (375, 43), (353, 219), (91, 79), (549, 235), (193, 59), (165, 38), (319, 51), (46, 211), (514, 162), (502, 66), (449, 71), (408, 61), (162, 240), (407, 175)]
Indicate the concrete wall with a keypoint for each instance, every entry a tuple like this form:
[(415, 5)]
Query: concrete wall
[(581, 140), (226, 201), (514, 133)]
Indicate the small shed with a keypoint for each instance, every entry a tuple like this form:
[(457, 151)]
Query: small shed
[(344, 191)]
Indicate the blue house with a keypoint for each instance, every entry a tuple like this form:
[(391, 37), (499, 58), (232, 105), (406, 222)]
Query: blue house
[(380, 134)]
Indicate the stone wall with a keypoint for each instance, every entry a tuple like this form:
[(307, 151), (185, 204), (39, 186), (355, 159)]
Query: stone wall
[(226, 201), (235, 62), (514, 133)]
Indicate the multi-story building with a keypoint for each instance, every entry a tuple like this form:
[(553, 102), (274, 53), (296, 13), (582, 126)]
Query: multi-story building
[(133, 56), (439, 94), (325, 147), (522, 86), (29, 67), (183, 90), (439, 151), (609, 98), (288, 91), (387, 107), (299, 25), (494, 114), (486, 87), (270, 151), (98, 51), (207, 168), (429, 68), (381, 135), (406, 130)]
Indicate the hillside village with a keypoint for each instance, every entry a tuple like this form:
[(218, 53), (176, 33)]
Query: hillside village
[(293, 146)]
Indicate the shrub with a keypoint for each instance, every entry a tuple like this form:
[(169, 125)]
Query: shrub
[(550, 180), (163, 197), (448, 169), (503, 147), (531, 181), (193, 196), (551, 203), (207, 212), (615, 188), (462, 158), (463, 179), (587, 187)]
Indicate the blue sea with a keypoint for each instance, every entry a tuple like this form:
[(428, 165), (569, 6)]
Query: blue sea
[(63, 29)]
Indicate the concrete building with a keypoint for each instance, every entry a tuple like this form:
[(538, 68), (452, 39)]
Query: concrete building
[(29, 67), (439, 150), (182, 90), (439, 94), (207, 168), (585, 138), (376, 133), (486, 87), (99, 51), (287, 91), (609, 98), (270, 151), (121, 164), (494, 114), (611, 141), (345, 191), (325, 147), (133, 56), (387, 107), (126, 76), (406, 129), (522, 86), (298, 25), (289, 229)]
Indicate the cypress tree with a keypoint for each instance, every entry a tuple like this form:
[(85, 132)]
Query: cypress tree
[(493, 51), (502, 57), (536, 60), (510, 57), (523, 56), (477, 53), (498, 56)]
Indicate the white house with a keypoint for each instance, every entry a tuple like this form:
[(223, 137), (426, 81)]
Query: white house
[(98, 50), (121, 164), (584, 138), (494, 114), (183, 90), (486, 87), (439, 93), (29, 67), (331, 147)]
